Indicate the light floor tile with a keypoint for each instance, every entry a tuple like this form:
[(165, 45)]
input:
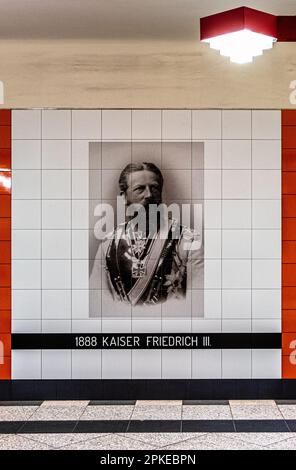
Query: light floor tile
[(288, 411), (58, 413), (16, 413), (214, 441), (110, 442), (57, 440), (16, 442), (110, 412), (206, 412), (157, 412), (250, 412)]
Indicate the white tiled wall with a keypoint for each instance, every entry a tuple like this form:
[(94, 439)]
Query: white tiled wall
[(242, 222)]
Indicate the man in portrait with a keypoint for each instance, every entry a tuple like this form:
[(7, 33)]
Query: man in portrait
[(149, 258)]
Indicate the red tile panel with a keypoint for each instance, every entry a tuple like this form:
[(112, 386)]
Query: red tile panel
[(5, 117), (289, 244), (5, 206), (5, 137), (5, 159), (5, 244)]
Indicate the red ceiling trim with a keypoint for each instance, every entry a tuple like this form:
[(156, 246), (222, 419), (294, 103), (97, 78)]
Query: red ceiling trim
[(281, 27), (286, 28)]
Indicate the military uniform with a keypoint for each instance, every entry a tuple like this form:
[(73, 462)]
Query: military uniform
[(149, 270)]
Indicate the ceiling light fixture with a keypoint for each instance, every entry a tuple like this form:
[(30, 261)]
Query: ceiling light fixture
[(242, 33)]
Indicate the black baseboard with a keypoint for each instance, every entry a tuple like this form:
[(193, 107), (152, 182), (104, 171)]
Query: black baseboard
[(222, 389)]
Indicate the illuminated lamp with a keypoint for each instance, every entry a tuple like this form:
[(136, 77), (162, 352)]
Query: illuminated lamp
[(241, 34)]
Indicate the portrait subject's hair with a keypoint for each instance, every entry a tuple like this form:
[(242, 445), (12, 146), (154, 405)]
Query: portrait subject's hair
[(131, 168)]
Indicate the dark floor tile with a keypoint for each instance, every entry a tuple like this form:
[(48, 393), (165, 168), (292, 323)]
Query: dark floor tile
[(112, 402), (291, 423), (21, 403), (10, 427), (209, 425), (205, 402), (285, 402), (101, 426), (267, 425), (154, 426), (48, 427)]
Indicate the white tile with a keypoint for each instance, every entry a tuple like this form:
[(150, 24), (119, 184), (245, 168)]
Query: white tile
[(26, 244), (80, 274), (176, 155), (56, 214), (56, 326), (146, 364), (236, 124), (206, 364), (26, 184), (80, 244), (56, 154), (236, 244), (266, 214), (26, 304), (26, 154), (25, 364), (267, 325), (236, 274), (116, 364), (146, 124), (80, 304), (26, 326), (80, 184), (116, 124), (26, 124), (234, 325), (56, 274), (266, 154), (266, 184), (266, 243), (115, 325), (26, 274), (212, 302), (266, 274), (266, 124), (212, 243), (56, 184), (177, 185), (205, 325), (236, 184), (56, 364), (236, 363), (81, 154), (87, 326), (56, 304), (236, 154), (56, 124), (212, 274), (176, 325), (176, 364), (146, 325), (236, 214), (26, 214), (80, 214), (206, 124), (237, 303), (266, 303), (86, 124), (212, 184), (212, 214), (56, 244), (86, 364), (266, 363), (176, 124), (212, 154)]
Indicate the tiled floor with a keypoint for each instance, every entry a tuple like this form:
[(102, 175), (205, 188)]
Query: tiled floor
[(148, 425)]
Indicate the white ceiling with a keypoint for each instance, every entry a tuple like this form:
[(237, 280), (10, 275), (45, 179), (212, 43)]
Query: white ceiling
[(115, 19)]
